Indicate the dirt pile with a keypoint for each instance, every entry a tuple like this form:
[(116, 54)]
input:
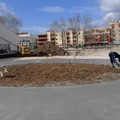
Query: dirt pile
[(58, 74), (49, 48)]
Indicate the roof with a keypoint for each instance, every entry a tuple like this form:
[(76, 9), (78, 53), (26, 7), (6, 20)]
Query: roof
[(8, 35)]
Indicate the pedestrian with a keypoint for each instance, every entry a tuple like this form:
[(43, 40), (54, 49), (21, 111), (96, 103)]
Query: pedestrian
[(114, 59)]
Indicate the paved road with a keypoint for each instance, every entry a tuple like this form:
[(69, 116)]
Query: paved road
[(12, 61), (86, 102)]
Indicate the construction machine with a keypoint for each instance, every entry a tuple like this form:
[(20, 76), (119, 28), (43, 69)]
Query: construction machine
[(24, 48)]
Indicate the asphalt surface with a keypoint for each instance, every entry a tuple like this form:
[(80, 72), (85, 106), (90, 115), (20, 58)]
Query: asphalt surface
[(85, 102), (100, 101), (27, 60)]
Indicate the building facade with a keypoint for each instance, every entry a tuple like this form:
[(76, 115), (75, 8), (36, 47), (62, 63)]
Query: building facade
[(115, 31), (55, 37), (41, 39), (58, 39), (97, 35), (69, 38), (51, 36), (72, 37)]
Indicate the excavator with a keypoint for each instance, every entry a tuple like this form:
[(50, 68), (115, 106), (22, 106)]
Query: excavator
[(24, 48)]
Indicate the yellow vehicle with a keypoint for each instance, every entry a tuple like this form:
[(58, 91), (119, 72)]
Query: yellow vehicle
[(23, 49)]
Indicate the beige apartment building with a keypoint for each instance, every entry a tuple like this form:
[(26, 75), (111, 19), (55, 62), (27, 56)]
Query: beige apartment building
[(58, 39), (55, 37), (81, 37), (69, 38), (74, 37), (115, 31), (51, 36)]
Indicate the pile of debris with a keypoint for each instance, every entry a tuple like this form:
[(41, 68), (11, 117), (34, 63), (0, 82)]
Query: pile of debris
[(48, 49)]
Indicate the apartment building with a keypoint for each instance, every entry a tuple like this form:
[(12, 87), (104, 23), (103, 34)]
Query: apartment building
[(73, 37), (41, 39), (115, 31), (58, 39), (51, 36), (81, 37), (69, 38), (97, 35), (55, 37)]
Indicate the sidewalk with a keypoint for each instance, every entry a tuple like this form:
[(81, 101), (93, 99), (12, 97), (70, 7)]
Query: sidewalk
[(86, 102)]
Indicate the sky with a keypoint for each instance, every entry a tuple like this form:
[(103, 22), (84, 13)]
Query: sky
[(37, 15)]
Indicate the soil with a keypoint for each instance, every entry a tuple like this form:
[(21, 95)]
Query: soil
[(49, 48), (58, 74)]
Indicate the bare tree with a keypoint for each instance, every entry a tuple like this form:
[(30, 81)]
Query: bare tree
[(11, 21), (87, 27), (108, 20), (60, 26), (86, 22), (3, 19), (75, 22)]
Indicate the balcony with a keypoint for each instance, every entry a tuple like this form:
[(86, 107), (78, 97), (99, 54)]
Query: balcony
[(68, 41), (67, 34), (68, 38)]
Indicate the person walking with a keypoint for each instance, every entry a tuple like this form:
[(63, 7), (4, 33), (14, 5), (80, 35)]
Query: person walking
[(114, 59)]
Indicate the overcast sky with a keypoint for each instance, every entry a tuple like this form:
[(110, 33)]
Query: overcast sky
[(37, 15)]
